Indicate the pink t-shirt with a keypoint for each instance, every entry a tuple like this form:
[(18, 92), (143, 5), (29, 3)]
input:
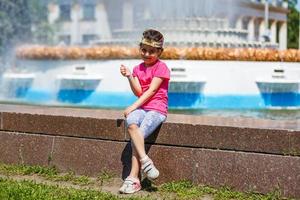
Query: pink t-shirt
[(159, 101)]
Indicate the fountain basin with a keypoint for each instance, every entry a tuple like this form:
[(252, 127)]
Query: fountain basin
[(185, 93), (74, 88), (280, 92), (228, 84), (16, 85)]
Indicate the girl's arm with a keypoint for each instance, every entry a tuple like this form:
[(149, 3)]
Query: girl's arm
[(133, 81), (155, 83), (135, 85)]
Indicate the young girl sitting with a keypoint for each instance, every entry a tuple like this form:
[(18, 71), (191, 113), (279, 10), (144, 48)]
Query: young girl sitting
[(149, 82)]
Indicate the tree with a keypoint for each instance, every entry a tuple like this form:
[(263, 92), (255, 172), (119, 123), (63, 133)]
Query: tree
[(23, 21), (293, 25), (15, 23)]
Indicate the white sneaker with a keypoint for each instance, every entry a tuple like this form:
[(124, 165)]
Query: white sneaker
[(149, 169), (130, 185)]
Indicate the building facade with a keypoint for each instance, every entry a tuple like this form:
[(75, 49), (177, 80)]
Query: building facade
[(213, 23)]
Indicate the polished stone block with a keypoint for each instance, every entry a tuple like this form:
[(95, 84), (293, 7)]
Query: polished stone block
[(246, 154), (19, 148), (87, 127)]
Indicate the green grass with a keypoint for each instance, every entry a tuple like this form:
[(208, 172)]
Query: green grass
[(105, 176), (186, 190), (70, 177), (28, 190), (27, 170), (10, 189), (49, 173)]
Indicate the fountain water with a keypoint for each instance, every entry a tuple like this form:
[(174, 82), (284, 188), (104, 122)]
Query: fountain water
[(184, 91), (16, 85), (77, 86), (280, 90)]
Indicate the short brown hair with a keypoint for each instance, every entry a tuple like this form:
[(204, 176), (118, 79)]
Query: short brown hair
[(154, 35)]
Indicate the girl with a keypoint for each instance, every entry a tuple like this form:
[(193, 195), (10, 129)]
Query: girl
[(149, 82)]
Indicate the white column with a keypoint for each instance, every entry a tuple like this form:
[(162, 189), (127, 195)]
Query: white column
[(127, 14), (239, 23), (75, 32), (251, 30), (53, 11), (273, 31), (283, 35), (102, 24)]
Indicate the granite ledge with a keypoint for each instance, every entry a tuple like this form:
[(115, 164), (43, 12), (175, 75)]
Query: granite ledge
[(238, 134)]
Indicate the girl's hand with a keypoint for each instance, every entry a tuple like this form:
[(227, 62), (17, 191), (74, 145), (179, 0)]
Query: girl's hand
[(125, 71), (128, 110)]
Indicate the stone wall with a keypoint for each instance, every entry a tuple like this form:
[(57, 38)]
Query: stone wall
[(243, 153)]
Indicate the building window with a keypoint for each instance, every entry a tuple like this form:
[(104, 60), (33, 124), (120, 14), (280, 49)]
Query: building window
[(86, 39), (88, 12), (65, 39), (65, 12)]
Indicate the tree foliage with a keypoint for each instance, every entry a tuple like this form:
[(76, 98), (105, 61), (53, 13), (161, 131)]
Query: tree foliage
[(293, 25), (14, 22), (23, 21)]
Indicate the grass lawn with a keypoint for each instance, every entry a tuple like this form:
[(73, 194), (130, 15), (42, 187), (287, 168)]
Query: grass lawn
[(21, 182)]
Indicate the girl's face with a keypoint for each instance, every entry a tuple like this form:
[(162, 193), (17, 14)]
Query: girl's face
[(149, 54)]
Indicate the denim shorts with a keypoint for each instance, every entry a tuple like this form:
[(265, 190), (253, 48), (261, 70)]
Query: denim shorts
[(147, 120)]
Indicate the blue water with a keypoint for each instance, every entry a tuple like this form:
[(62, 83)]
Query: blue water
[(73, 96), (176, 100), (291, 99), (185, 100), (273, 106), (21, 92), (123, 99)]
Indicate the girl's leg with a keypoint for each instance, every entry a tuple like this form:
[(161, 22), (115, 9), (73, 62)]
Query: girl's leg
[(138, 140), (132, 182), (148, 122), (151, 121), (139, 155), (135, 164)]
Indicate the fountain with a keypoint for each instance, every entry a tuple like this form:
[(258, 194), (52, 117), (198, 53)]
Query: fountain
[(16, 85), (201, 36), (201, 78), (77, 86), (279, 90), (184, 92)]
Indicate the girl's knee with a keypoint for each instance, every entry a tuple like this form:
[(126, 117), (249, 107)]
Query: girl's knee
[(132, 127)]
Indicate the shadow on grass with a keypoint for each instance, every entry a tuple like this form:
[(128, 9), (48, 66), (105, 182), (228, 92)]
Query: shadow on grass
[(147, 185)]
